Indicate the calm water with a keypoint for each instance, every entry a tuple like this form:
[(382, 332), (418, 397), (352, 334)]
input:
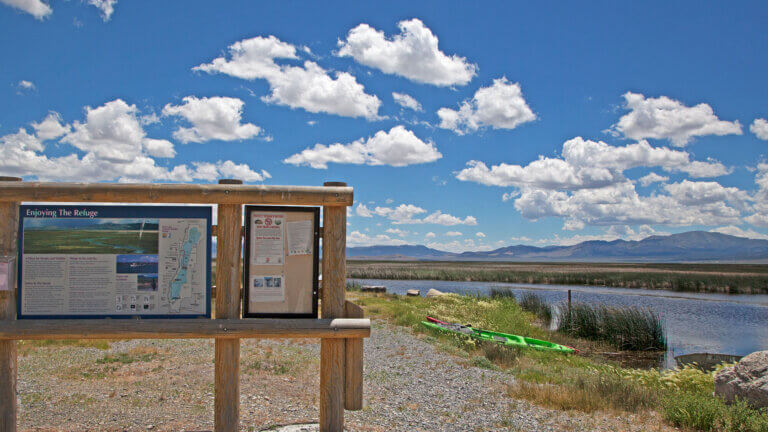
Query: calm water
[(718, 323)]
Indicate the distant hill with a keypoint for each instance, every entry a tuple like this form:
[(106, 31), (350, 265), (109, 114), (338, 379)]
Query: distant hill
[(684, 247)]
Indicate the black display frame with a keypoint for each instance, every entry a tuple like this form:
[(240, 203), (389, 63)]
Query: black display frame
[(249, 210)]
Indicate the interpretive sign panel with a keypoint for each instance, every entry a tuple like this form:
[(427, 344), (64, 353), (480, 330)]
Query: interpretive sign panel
[(114, 261), (281, 261)]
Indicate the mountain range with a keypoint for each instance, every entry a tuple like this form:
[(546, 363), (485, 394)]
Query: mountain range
[(692, 246)]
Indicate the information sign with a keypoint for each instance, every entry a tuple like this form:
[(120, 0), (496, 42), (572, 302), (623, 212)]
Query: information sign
[(281, 262), (114, 261)]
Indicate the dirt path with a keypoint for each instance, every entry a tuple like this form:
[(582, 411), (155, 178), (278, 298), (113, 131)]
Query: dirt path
[(168, 386)]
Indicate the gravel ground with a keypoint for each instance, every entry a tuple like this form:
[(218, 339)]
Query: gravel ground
[(168, 386)]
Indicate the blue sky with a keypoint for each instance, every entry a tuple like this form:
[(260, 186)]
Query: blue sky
[(460, 127)]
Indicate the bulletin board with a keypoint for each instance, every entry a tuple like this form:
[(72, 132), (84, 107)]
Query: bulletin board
[(281, 262)]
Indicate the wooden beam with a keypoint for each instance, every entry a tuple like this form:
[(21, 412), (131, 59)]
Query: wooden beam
[(194, 328), (226, 416), (353, 363), (334, 283), (176, 193), (9, 225)]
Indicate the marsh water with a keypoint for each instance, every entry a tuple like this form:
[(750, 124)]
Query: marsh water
[(694, 322)]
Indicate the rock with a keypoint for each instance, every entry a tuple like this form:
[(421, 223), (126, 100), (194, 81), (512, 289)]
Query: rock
[(434, 293), (413, 293), (747, 380), (373, 288)]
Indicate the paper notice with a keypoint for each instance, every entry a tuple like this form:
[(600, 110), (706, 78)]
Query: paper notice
[(5, 276), (300, 238), (267, 289), (267, 241)]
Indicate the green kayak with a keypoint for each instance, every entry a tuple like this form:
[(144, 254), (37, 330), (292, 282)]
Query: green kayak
[(505, 339)]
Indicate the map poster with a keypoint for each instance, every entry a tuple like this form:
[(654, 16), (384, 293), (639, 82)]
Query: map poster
[(114, 261), (267, 243)]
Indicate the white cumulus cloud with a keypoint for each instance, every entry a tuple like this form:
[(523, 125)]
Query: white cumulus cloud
[(357, 238), (36, 8), (214, 118), (397, 231), (500, 106), (309, 86), (114, 146), (363, 211), (652, 178), (666, 118), (159, 148), (588, 164), (51, 127), (413, 54), (107, 7), (398, 147), (739, 232), (759, 127), (25, 86), (406, 101)]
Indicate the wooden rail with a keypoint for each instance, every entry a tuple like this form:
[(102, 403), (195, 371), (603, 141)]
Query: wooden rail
[(176, 193), (184, 328)]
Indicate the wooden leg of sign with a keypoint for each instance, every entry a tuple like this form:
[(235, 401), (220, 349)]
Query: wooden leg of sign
[(334, 285), (353, 362), (227, 358), (9, 220)]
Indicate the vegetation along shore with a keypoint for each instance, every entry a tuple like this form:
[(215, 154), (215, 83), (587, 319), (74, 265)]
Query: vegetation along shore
[(716, 278), (589, 382)]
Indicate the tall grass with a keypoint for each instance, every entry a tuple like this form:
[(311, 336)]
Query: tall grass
[(589, 392), (536, 305), (707, 413), (626, 328)]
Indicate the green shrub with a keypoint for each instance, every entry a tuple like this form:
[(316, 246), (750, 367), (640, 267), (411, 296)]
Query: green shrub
[(626, 328), (705, 412), (353, 286), (692, 410)]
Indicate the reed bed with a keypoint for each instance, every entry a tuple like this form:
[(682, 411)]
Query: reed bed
[(741, 279), (501, 292), (626, 328), (535, 304)]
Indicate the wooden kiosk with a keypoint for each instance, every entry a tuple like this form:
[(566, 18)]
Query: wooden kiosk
[(341, 327)]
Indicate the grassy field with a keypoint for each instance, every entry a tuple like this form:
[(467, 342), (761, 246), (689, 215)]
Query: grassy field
[(586, 382), (721, 278), (89, 242)]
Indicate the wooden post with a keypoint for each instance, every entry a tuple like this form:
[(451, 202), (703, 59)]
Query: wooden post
[(353, 362), (334, 285), (9, 224), (569, 300), (227, 357)]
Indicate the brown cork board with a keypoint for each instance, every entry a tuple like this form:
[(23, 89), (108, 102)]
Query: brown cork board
[(281, 262)]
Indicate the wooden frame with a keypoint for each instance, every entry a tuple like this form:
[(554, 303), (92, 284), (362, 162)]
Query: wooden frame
[(247, 260), (341, 328)]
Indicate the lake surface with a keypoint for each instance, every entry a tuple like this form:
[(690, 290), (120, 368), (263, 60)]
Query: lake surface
[(695, 322)]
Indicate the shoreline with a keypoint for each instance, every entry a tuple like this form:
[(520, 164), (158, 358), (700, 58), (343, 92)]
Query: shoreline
[(696, 278)]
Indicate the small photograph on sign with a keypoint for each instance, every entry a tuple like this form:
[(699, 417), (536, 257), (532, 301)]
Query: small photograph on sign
[(267, 289)]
